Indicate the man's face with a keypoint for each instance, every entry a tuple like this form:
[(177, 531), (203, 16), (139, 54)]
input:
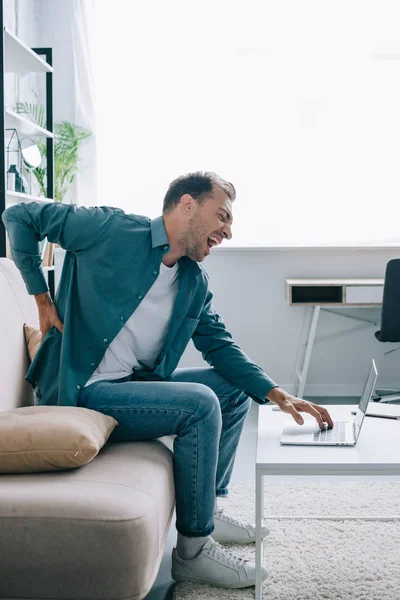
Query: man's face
[(213, 218)]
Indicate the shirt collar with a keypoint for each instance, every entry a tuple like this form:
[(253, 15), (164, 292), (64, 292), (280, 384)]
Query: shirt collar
[(158, 233)]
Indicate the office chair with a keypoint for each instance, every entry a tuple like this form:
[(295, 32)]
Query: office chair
[(390, 321)]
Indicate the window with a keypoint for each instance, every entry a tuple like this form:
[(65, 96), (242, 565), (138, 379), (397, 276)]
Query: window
[(296, 103)]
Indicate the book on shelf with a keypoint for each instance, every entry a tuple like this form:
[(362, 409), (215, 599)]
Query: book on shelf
[(48, 255), (42, 246)]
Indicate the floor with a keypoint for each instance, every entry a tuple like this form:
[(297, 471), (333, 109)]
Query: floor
[(245, 458)]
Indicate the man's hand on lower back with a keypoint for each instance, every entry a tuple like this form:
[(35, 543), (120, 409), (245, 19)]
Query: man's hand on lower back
[(294, 406), (48, 315)]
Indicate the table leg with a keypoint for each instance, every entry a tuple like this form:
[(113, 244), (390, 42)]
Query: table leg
[(259, 544), (309, 347)]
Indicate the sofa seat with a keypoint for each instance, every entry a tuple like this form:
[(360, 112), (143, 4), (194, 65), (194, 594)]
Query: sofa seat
[(96, 532)]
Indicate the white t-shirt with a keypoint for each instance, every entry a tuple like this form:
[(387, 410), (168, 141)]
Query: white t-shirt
[(141, 339)]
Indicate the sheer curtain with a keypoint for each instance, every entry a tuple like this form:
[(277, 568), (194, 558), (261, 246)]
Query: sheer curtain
[(296, 103), (67, 28)]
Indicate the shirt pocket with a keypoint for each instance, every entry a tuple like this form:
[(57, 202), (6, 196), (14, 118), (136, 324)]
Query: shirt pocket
[(184, 334)]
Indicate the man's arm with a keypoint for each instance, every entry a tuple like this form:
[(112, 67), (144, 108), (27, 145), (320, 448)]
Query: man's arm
[(75, 228), (215, 343)]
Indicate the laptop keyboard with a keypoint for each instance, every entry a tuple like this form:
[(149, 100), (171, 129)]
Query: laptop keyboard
[(336, 434)]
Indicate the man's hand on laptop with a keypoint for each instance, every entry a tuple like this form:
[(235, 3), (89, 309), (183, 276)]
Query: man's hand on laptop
[(294, 406)]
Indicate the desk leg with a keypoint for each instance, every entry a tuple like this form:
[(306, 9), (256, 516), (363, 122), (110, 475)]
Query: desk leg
[(259, 544), (309, 344)]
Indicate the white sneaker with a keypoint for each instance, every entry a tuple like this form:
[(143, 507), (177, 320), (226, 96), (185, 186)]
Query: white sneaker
[(231, 531), (215, 566)]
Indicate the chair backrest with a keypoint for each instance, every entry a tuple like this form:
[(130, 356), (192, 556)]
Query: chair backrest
[(16, 308), (390, 315)]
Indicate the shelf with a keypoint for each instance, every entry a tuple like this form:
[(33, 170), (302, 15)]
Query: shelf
[(25, 126), (19, 58), (334, 292), (16, 197)]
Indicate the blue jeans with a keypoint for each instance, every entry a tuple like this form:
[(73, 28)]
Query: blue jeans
[(203, 410)]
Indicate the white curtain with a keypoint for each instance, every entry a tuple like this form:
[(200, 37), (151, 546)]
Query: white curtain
[(85, 113), (67, 28), (296, 103)]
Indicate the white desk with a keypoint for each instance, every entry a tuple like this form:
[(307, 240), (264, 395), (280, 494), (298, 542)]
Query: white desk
[(377, 452), (329, 295)]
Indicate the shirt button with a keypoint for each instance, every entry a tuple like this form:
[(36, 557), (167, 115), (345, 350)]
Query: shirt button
[(140, 297), (122, 318), (165, 247), (105, 341), (154, 272), (78, 387), (92, 364)]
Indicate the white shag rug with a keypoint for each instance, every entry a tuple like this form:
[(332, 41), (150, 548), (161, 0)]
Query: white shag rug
[(314, 559)]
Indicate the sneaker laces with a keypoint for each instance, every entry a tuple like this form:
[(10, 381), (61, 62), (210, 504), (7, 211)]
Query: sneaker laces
[(220, 514), (224, 556)]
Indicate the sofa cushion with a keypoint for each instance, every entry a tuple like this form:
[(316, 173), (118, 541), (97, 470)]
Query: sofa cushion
[(48, 438), (33, 338), (96, 532)]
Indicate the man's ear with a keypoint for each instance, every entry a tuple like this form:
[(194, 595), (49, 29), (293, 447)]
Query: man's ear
[(187, 204)]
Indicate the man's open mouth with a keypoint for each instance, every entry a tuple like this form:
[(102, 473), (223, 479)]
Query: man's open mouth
[(212, 240)]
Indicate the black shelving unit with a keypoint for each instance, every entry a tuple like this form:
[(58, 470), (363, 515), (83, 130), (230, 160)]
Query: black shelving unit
[(34, 62)]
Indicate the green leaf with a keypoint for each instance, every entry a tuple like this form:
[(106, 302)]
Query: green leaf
[(34, 111)]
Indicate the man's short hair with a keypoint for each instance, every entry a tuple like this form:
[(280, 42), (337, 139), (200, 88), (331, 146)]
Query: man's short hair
[(199, 185)]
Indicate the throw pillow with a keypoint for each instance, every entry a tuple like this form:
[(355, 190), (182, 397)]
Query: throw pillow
[(51, 438), (33, 339)]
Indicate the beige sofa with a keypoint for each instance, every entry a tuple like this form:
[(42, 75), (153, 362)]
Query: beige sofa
[(92, 533)]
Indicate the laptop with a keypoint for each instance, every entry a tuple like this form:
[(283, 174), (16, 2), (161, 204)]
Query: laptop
[(343, 433)]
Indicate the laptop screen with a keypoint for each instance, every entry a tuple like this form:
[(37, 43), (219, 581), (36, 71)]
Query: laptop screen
[(365, 398)]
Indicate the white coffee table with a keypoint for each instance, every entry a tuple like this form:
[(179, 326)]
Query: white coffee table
[(377, 452)]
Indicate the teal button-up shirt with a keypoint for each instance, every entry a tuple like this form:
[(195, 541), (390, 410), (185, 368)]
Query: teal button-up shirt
[(112, 259)]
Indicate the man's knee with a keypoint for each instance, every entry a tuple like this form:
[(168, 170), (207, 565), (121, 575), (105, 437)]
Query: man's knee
[(207, 403)]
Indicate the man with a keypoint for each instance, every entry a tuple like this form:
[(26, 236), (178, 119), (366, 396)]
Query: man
[(132, 294)]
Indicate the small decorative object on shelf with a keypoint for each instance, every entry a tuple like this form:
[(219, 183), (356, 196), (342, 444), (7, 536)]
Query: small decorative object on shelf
[(31, 156), (11, 179), (14, 162), (14, 179)]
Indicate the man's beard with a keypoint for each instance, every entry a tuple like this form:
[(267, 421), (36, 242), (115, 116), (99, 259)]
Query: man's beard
[(193, 240)]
